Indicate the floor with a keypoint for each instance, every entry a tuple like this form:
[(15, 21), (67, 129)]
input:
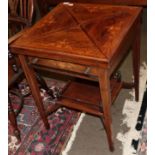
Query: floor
[(91, 137)]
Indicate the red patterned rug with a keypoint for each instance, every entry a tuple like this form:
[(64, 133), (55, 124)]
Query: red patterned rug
[(35, 138)]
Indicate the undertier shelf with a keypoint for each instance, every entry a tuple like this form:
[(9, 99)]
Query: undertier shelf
[(86, 97)]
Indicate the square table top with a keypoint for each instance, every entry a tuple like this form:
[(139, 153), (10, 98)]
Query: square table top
[(76, 31)]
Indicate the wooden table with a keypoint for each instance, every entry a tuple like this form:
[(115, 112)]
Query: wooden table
[(87, 41)]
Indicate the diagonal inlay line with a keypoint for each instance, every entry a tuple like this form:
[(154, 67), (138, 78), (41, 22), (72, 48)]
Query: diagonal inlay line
[(83, 29)]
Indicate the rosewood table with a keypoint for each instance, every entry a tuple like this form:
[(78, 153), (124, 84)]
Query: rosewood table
[(87, 41)]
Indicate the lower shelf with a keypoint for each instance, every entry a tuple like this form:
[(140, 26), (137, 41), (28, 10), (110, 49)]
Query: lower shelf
[(87, 98)]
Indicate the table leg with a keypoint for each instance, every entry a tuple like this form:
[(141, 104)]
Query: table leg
[(30, 76), (13, 121), (136, 61), (104, 83)]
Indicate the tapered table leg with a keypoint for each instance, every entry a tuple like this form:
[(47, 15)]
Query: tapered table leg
[(30, 76), (104, 83), (13, 121), (136, 61)]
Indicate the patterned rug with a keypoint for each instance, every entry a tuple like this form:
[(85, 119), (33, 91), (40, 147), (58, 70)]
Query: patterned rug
[(35, 138)]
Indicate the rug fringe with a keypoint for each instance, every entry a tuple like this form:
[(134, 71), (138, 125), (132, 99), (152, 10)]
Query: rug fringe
[(73, 135)]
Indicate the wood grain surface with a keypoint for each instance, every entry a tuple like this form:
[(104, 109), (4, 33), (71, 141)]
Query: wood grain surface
[(84, 32)]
